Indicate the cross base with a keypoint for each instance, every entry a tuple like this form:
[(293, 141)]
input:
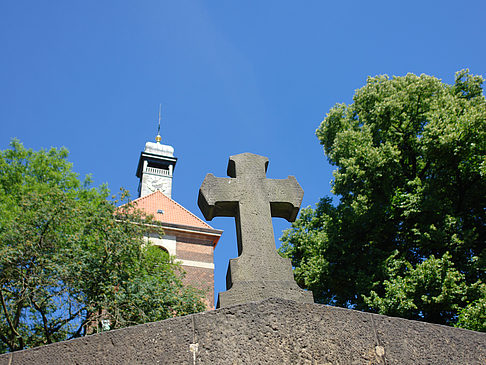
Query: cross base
[(257, 276), (252, 291)]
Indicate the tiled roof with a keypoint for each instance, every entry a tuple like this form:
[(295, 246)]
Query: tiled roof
[(173, 212)]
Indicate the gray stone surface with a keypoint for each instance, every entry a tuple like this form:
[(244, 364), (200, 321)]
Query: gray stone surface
[(259, 272), (165, 342), (273, 331)]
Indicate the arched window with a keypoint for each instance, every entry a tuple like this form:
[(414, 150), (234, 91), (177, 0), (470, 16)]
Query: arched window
[(156, 255), (163, 249)]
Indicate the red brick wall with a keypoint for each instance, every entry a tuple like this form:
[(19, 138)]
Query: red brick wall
[(196, 247), (201, 278), (194, 252)]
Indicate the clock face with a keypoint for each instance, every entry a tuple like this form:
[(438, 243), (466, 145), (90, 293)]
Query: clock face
[(159, 185), (154, 183)]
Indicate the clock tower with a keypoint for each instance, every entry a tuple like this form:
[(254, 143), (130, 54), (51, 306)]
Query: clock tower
[(186, 238), (155, 168)]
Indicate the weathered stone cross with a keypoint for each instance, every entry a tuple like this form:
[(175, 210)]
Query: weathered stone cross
[(259, 272)]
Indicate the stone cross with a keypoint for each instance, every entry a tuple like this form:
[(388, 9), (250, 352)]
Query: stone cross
[(259, 272)]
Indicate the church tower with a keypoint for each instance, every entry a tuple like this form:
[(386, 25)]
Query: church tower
[(155, 168), (187, 238)]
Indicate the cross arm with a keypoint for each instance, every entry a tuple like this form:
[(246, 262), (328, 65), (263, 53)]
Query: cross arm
[(285, 197), (216, 198)]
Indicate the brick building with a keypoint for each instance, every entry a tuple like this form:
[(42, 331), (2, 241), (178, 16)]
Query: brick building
[(188, 238)]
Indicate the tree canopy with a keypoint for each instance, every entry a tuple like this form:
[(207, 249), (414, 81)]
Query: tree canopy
[(70, 259), (407, 236)]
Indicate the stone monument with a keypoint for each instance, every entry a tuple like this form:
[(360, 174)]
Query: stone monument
[(268, 331), (259, 272)]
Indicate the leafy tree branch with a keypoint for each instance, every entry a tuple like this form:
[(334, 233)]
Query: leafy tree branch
[(70, 258), (407, 235)]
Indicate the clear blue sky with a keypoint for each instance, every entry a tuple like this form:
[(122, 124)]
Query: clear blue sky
[(232, 77)]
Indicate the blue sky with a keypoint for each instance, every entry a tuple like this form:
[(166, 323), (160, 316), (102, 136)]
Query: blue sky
[(232, 77)]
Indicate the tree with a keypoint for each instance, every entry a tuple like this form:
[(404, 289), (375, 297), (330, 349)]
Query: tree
[(407, 236), (69, 258)]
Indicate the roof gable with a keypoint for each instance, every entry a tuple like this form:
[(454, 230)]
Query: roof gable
[(166, 210)]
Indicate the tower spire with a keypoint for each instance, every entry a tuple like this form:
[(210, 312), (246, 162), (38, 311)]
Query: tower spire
[(159, 138), (156, 165)]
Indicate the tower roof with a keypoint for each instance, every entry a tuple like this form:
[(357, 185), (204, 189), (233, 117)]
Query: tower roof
[(159, 149), (166, 210)]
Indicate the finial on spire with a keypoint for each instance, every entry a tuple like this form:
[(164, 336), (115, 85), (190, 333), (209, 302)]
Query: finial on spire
[(159, 138)]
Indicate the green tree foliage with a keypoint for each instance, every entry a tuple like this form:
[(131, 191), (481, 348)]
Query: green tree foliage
[(70, 258), (407, 237)]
